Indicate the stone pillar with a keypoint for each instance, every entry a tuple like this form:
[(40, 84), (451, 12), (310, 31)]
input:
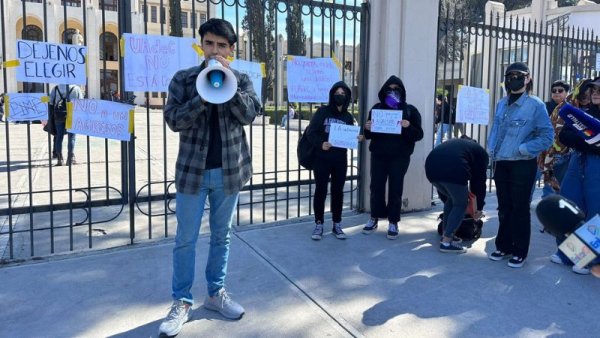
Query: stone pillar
[(403, 42)]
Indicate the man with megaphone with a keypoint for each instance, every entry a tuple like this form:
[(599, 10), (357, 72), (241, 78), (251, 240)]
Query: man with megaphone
[(213, 162)]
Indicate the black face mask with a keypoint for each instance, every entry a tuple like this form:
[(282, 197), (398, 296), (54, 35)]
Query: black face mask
[(513, 84), (339, 99)]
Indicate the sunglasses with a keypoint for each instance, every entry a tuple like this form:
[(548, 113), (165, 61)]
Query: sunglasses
[(558, 90)]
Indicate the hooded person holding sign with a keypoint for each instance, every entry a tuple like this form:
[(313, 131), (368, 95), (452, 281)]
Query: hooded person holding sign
[(390, 153)]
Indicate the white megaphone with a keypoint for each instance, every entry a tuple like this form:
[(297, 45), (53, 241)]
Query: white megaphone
[(215, 83)]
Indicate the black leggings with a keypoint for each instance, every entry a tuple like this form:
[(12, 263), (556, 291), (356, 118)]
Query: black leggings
[(337, 170)]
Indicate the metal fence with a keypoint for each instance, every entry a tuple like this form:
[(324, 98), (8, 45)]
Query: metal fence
[(121, 193), (476, 54)]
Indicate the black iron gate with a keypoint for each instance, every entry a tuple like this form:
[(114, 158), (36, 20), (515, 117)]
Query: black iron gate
[(122, 193)]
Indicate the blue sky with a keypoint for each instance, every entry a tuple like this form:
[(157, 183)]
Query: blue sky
[(320, 25)]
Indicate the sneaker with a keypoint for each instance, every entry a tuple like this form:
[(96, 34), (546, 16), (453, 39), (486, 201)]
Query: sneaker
[(516, 262), (370, 227), (337, 231), (556, 259), (224, 305), (581, 271), (318, 232), (499, 255), (452, 247), (392, 231), (178, 315)]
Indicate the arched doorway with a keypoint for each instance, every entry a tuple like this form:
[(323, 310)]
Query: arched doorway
[(33, 33)]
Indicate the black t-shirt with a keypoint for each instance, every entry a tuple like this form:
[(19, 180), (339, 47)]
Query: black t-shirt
[(213, 157)]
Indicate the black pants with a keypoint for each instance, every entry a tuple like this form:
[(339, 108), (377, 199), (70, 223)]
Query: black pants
[(324, 168), (390, 169), (514, 180)]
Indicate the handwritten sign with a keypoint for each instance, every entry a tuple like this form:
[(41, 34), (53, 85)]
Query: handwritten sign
[(473, 105), (45, 62), (26, 106), (589, 232), (152, 60), (598, 62), (577, 251), (101, 118), (386, 121), (253, 70), (309, 80), (344, 135)]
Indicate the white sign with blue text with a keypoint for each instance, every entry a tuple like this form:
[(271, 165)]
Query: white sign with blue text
[(254, 72), (473, 105), (344, 135), (106, 119), (386, 121), (310, 80), (26, 107), (45, 62)]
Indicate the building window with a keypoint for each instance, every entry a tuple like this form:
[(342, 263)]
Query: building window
[(35, 1), (68, 35), (109, 5), (163, 15), (71, 3), (33, 33), (154, 94), (153, 17), (109, 47), (348, 65), (202, 18), (184, 19)]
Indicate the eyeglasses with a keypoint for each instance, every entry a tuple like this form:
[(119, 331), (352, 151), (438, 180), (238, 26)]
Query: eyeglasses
[(557, 90), (596, 89)]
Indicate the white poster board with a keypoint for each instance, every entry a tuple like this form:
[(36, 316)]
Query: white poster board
[(577, 251), (309, 80), (106, 119), (254, 72), (589, 232), (598, 62), (152, 60), (386, 121), (26, 106), (473, 105), (344, 135), (45, 62)]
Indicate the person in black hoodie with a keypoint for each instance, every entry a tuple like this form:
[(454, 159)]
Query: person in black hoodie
[(453, 167), (390, 156), (330, 161)]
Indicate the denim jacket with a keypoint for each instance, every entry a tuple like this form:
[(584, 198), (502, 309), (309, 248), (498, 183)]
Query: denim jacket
[(520, 131)]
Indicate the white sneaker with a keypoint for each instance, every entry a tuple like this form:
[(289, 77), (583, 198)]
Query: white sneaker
[(580, 271), (224, 305), (178, 315)]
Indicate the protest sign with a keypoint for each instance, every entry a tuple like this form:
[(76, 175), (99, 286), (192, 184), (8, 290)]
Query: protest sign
[(589, 232), (254, 72), (45, 62), (101, 118), (26, 106), (344, 135), (309, 80), (386, 121), (473, 105), (152, 60)]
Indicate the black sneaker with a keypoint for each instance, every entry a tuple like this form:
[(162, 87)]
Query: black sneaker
[(370, 227), (318, 232), (392, 231), (499, 255), (452, 247), (516, 262), (337, 231)]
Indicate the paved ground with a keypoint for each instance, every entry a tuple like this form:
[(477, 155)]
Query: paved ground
[(292, 286)]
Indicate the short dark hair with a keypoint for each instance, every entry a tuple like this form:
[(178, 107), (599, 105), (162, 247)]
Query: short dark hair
[(218, 27), (561, 83)]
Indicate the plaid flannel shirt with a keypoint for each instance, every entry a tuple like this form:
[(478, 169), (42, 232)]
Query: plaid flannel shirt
[(187, 114)]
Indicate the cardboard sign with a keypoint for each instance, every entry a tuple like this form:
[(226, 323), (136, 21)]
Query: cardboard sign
[(589, 233), (386, 121), (152, 60), (577, 251), (309, 80), (107, 119), (473, 105), (26, 106), (45, 62), (344, 135)]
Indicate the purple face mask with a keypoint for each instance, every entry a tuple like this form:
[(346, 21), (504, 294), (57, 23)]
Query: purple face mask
[(392, 99)]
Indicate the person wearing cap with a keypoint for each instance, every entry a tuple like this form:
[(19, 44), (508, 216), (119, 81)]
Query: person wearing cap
[(581, 183), (521, 130)]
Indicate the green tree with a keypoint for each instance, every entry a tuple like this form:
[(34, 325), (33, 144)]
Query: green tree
[(259, 22), (175, 18), (295, 30)]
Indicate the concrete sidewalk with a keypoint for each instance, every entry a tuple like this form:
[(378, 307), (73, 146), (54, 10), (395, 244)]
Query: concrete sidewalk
[(292, 286)]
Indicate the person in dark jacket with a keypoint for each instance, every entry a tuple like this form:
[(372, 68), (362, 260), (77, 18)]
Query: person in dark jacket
[(330, 161), (445, 117), (390, 156), (454, 168)]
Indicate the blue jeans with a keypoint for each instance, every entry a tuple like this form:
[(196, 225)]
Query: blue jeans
[(445, 129), (190, 209), (284, 120), (581, 185), (58, 139), (455, 197)]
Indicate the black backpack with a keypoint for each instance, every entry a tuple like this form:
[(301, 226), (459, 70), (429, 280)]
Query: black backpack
[(306, 151), (60, 107), (469, 229)]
